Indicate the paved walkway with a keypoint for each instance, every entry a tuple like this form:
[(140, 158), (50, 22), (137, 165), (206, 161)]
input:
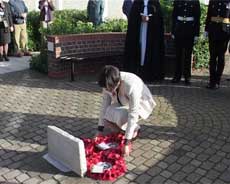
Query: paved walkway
[(186, 140), (15, 64)]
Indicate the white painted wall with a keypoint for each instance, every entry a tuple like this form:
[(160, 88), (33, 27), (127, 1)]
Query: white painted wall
[(113, 8)]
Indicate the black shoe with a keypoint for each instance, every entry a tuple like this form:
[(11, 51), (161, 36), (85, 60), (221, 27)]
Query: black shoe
[(175, 80), (1, 58), (212, 86), (6, 58), (187, 82)]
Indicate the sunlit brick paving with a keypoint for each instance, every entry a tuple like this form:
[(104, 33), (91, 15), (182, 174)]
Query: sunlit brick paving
[(186, 139)]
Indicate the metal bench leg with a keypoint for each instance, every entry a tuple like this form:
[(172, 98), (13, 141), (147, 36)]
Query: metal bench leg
[(72, 71)]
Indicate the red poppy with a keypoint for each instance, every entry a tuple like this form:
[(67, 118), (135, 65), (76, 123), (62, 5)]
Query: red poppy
[(112, 156)]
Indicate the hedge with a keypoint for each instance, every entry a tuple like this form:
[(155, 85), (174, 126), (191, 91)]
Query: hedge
[(75, 22)]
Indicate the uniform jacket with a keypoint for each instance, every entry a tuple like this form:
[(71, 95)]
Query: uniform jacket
[(50, 10), (95, 10), (7, 16), (186, 8), (17, 8), (217, 8), (134, 94)]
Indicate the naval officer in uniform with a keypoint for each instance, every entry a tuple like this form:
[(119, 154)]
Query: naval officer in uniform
[(217, 29), (185, 31)]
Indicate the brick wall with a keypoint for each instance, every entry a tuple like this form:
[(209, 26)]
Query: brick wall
[(102, 48), (106, 48)]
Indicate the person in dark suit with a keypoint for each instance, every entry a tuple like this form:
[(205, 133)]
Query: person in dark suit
[(185, 31), (95, 10), (126, 7), (144, 45), (217, 29), (6, 26)]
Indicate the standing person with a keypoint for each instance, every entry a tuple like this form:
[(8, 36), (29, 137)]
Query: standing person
[(144, 45), (95, 10), (185, 31), (126, 7), (46, 12), (19, 12), (6, 26), (126, 100), (217, 29)]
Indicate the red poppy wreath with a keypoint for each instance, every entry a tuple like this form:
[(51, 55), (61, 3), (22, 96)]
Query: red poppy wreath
[(104, 157)]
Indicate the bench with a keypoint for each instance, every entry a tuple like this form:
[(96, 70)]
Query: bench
[(85, 53), (68, 50), (75, 59)]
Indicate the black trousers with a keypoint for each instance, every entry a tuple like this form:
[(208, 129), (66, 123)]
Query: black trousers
[(217, 49), (184, 49)]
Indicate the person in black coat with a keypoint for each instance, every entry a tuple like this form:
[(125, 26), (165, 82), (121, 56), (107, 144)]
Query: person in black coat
[(217, 29), (6, 26), (185, 31), (144, 45), (126, 7)]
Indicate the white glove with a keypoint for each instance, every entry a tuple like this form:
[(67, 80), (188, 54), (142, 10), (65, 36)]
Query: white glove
[(172, 36), (196, 39), (205, 34)]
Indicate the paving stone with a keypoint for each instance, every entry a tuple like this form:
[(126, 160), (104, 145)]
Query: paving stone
[(50, 181), (121, 181), (188, 168), (179, 176), (207, 165), (22, 177), (162, 165), (151, 162), (200, 171), (225, 176), (195, 162), (158, 180), (220, 167), (183, 160), (166, 174), (174, 167), (170, 182), (193, 177), (205, 180), (154, 171), (144, 178), (140, 169), (11, 174), (170, 159), (32, 181), (202, 157), (130, 166), (138, 161), (131, 176)]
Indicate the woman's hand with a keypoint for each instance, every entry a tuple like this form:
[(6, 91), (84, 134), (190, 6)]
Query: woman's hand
[(97, 134), (127, 149)]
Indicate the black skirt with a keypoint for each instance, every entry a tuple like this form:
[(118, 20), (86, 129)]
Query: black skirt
[(4, 35)]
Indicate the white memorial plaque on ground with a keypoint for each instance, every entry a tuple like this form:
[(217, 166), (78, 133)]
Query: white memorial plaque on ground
[(65, 151)]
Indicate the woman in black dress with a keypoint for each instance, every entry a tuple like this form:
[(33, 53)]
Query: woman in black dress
[(6, 26)]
